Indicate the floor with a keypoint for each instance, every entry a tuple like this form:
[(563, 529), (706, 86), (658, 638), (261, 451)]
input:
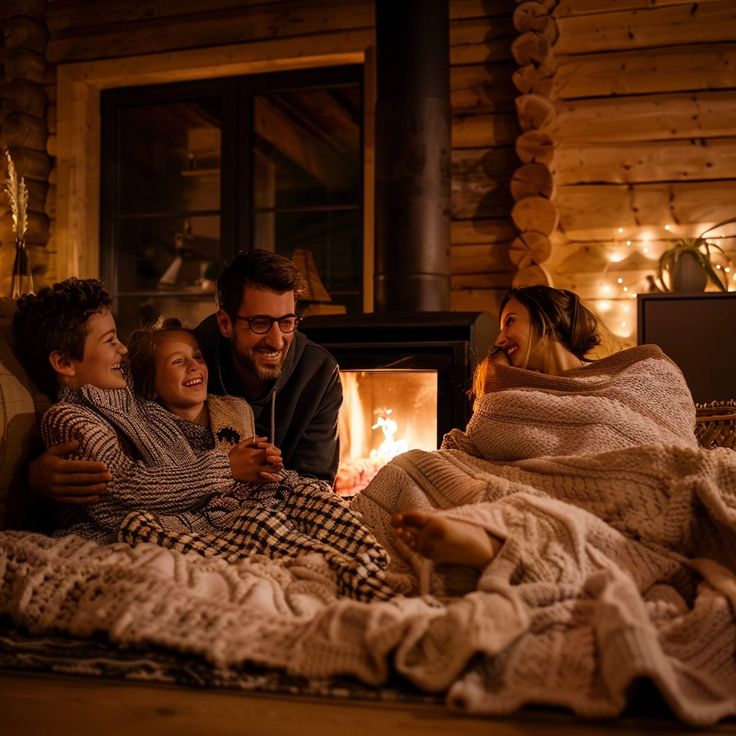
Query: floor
[(33, 705)]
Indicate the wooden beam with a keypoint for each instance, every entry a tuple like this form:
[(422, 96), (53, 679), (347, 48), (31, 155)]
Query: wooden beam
[(473, 259), (692, 159), (485, 87), (477, 131), (477, 231), (479, 182), (301, 19), (673, 69), (593, 209), (703, 22), (652, 117), (477, 41), (584, 7)]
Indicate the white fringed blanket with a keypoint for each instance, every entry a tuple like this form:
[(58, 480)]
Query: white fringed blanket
[(617, 565)]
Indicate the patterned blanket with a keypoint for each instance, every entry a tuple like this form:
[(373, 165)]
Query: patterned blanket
[(617, 565)]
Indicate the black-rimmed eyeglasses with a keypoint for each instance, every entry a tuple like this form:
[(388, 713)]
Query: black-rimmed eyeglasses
[(261, 323)]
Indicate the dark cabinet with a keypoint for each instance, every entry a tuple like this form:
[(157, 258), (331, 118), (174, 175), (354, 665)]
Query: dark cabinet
[(698, 331)]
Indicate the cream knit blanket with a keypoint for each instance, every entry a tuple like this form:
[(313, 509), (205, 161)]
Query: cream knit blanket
[(617, 565)]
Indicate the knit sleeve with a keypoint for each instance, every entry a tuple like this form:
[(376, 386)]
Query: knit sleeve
[(170, 487)]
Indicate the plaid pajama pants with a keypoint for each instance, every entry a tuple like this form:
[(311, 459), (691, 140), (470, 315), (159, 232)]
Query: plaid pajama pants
[(312, 518)]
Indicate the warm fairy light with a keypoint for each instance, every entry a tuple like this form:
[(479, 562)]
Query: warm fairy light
[(606, 289), (628, 244), (645, 250), (619, 280), (620, 230), (627, 308), (615, 257), (668, 228), (604, 305), (626, 288)]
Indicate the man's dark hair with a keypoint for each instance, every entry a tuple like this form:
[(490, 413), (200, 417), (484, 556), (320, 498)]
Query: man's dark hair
[(256, 268), (56, 319)]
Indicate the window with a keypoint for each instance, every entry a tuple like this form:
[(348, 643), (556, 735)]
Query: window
[(194, 172)]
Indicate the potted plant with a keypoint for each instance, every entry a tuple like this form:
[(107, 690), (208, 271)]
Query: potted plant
[(688, 263)]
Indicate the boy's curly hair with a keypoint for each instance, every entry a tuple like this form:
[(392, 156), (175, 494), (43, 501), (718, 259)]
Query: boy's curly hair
[(56, 319)]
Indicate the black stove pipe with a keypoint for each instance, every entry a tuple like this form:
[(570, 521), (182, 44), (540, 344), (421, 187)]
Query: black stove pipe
[(413, 122)]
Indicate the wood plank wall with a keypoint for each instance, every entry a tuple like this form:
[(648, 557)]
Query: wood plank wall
[(484, 123), (644, 130)]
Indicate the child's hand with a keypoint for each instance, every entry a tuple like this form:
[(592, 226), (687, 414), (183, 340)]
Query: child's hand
[(255, 460)]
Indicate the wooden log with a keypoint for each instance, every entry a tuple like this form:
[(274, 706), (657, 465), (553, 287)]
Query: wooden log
[(49, 205), (534, 275), (25, 131), (467, 233), (476, 131), (672, 69), (51, 118), (706, 114), (36, 194), (548, 4), (34, 9), (532, 79), (533, 48), (565, 8), (704, 22), (24, 64), (480, 259), (479, 182), (528, 248), (31, 164), (208, 28), (536, 146), (691, 159), (480, 280), (25, 33), (588, 211), (477, 300), (483, 86), (20, 95), (65, 15), (38, 227), (534, 112), (532, 180), (533, 16), (478, 41), (535, 213)]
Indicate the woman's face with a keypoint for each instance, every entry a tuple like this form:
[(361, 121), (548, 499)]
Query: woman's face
[(180, 381), (518, 338)]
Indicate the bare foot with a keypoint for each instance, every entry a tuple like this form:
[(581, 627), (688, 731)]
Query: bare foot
[(446, 540)]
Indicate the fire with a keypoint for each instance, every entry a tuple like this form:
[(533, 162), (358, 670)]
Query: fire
[(369, 431), (390, 447)]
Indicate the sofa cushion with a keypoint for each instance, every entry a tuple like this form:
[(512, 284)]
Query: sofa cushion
[(21, 405)]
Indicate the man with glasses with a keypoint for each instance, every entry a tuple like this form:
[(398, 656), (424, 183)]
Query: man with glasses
[(254, 350)]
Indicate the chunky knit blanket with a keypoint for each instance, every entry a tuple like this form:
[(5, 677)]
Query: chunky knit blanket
[(617, 564)]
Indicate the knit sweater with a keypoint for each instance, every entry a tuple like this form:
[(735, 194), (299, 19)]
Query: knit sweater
[(157, 461)]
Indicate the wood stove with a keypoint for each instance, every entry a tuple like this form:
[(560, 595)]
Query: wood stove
[(405, 379)]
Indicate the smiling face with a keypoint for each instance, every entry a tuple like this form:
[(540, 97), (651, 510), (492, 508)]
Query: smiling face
[(258, 358), (180, 374), (101, 361), (518, 338)]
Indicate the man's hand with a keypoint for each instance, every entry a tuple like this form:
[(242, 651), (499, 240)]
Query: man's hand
[(67, 481)]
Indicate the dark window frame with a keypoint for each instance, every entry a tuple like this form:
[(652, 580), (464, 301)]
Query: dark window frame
[(237, 223)]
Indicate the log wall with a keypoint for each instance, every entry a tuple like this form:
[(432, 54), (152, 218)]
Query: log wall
[(643, 127), (85, 35), (581, 128)]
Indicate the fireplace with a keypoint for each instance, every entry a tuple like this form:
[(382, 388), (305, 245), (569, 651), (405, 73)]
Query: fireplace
[(405, 381)]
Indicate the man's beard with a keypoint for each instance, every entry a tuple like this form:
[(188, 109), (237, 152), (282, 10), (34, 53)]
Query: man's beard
[(263, 372)]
